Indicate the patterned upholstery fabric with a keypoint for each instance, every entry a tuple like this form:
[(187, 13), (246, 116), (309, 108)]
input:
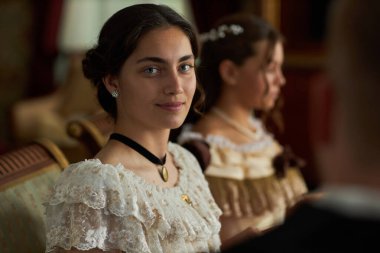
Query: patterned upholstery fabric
[(26, 175)]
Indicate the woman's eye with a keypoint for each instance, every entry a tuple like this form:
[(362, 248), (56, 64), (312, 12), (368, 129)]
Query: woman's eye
[(151, 70), (186, 67)]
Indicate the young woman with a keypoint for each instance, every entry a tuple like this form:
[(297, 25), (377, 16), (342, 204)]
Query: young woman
[(240, 70), (140, 193)]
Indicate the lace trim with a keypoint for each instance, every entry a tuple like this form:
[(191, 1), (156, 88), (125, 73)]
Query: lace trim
[(263, 141), (98, 205)]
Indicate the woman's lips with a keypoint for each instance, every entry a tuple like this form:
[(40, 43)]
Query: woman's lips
[(173, 107)]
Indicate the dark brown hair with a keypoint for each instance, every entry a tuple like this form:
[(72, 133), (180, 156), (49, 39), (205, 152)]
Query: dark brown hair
[(119, 38), (234, 47)]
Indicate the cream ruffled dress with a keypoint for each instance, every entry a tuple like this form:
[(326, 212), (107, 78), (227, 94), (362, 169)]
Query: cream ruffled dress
[(95, 205), (243, 181)]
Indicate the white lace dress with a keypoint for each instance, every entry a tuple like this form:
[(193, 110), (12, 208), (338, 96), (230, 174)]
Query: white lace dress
[(95, 205)]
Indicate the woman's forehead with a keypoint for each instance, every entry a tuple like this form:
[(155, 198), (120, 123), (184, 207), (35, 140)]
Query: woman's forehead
[(163, 42)]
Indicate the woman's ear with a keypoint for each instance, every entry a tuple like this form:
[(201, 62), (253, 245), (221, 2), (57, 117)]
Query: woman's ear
[(111, 83), (228, 72)]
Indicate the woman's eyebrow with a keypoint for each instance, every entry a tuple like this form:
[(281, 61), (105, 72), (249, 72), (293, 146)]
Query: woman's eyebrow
[(151, 59), (186, 57), (160, 60)]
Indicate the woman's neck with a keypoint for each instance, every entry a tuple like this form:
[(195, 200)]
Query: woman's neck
[(155, 141), (237, 113)]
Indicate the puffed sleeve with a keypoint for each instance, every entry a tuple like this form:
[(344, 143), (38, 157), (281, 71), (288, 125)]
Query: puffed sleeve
[(89, 209)]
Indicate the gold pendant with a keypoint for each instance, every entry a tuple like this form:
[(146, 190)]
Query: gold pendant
[(186, 198), (164, 173)]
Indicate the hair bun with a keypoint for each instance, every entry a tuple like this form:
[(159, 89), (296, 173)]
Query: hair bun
[(94, 66)]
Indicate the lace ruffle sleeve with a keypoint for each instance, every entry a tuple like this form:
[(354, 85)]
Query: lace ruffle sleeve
[(87, 210)]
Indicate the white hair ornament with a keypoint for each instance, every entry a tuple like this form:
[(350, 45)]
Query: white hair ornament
[(221, 31)]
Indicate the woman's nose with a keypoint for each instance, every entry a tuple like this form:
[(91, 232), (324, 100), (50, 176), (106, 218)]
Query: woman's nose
[(173, 84), (281, 78)]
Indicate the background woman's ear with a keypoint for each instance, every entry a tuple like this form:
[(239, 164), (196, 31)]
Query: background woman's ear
[(228, 72)]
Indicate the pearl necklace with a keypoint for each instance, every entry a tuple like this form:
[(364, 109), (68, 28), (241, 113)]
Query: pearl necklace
[(243, 130)]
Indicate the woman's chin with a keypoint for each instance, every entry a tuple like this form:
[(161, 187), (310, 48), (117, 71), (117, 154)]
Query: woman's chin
[(269, 105), (176, 123)]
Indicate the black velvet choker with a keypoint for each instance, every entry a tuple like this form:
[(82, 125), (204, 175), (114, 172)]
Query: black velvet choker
[(145, 153)]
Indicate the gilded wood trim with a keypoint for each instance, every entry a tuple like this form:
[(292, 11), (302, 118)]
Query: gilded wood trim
[(54, 150)]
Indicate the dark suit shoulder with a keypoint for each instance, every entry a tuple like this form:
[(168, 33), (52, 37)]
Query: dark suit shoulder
[(313, 229)]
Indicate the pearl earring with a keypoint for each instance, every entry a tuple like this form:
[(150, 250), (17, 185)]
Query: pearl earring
[(115, 93)]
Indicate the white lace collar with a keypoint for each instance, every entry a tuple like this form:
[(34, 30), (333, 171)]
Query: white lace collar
[(265, 139)]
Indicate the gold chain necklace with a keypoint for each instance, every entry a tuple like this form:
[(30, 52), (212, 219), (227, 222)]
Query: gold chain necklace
[(243, 130)]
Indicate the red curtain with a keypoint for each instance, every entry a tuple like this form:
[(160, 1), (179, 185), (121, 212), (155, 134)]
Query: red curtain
[(47, 14)]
